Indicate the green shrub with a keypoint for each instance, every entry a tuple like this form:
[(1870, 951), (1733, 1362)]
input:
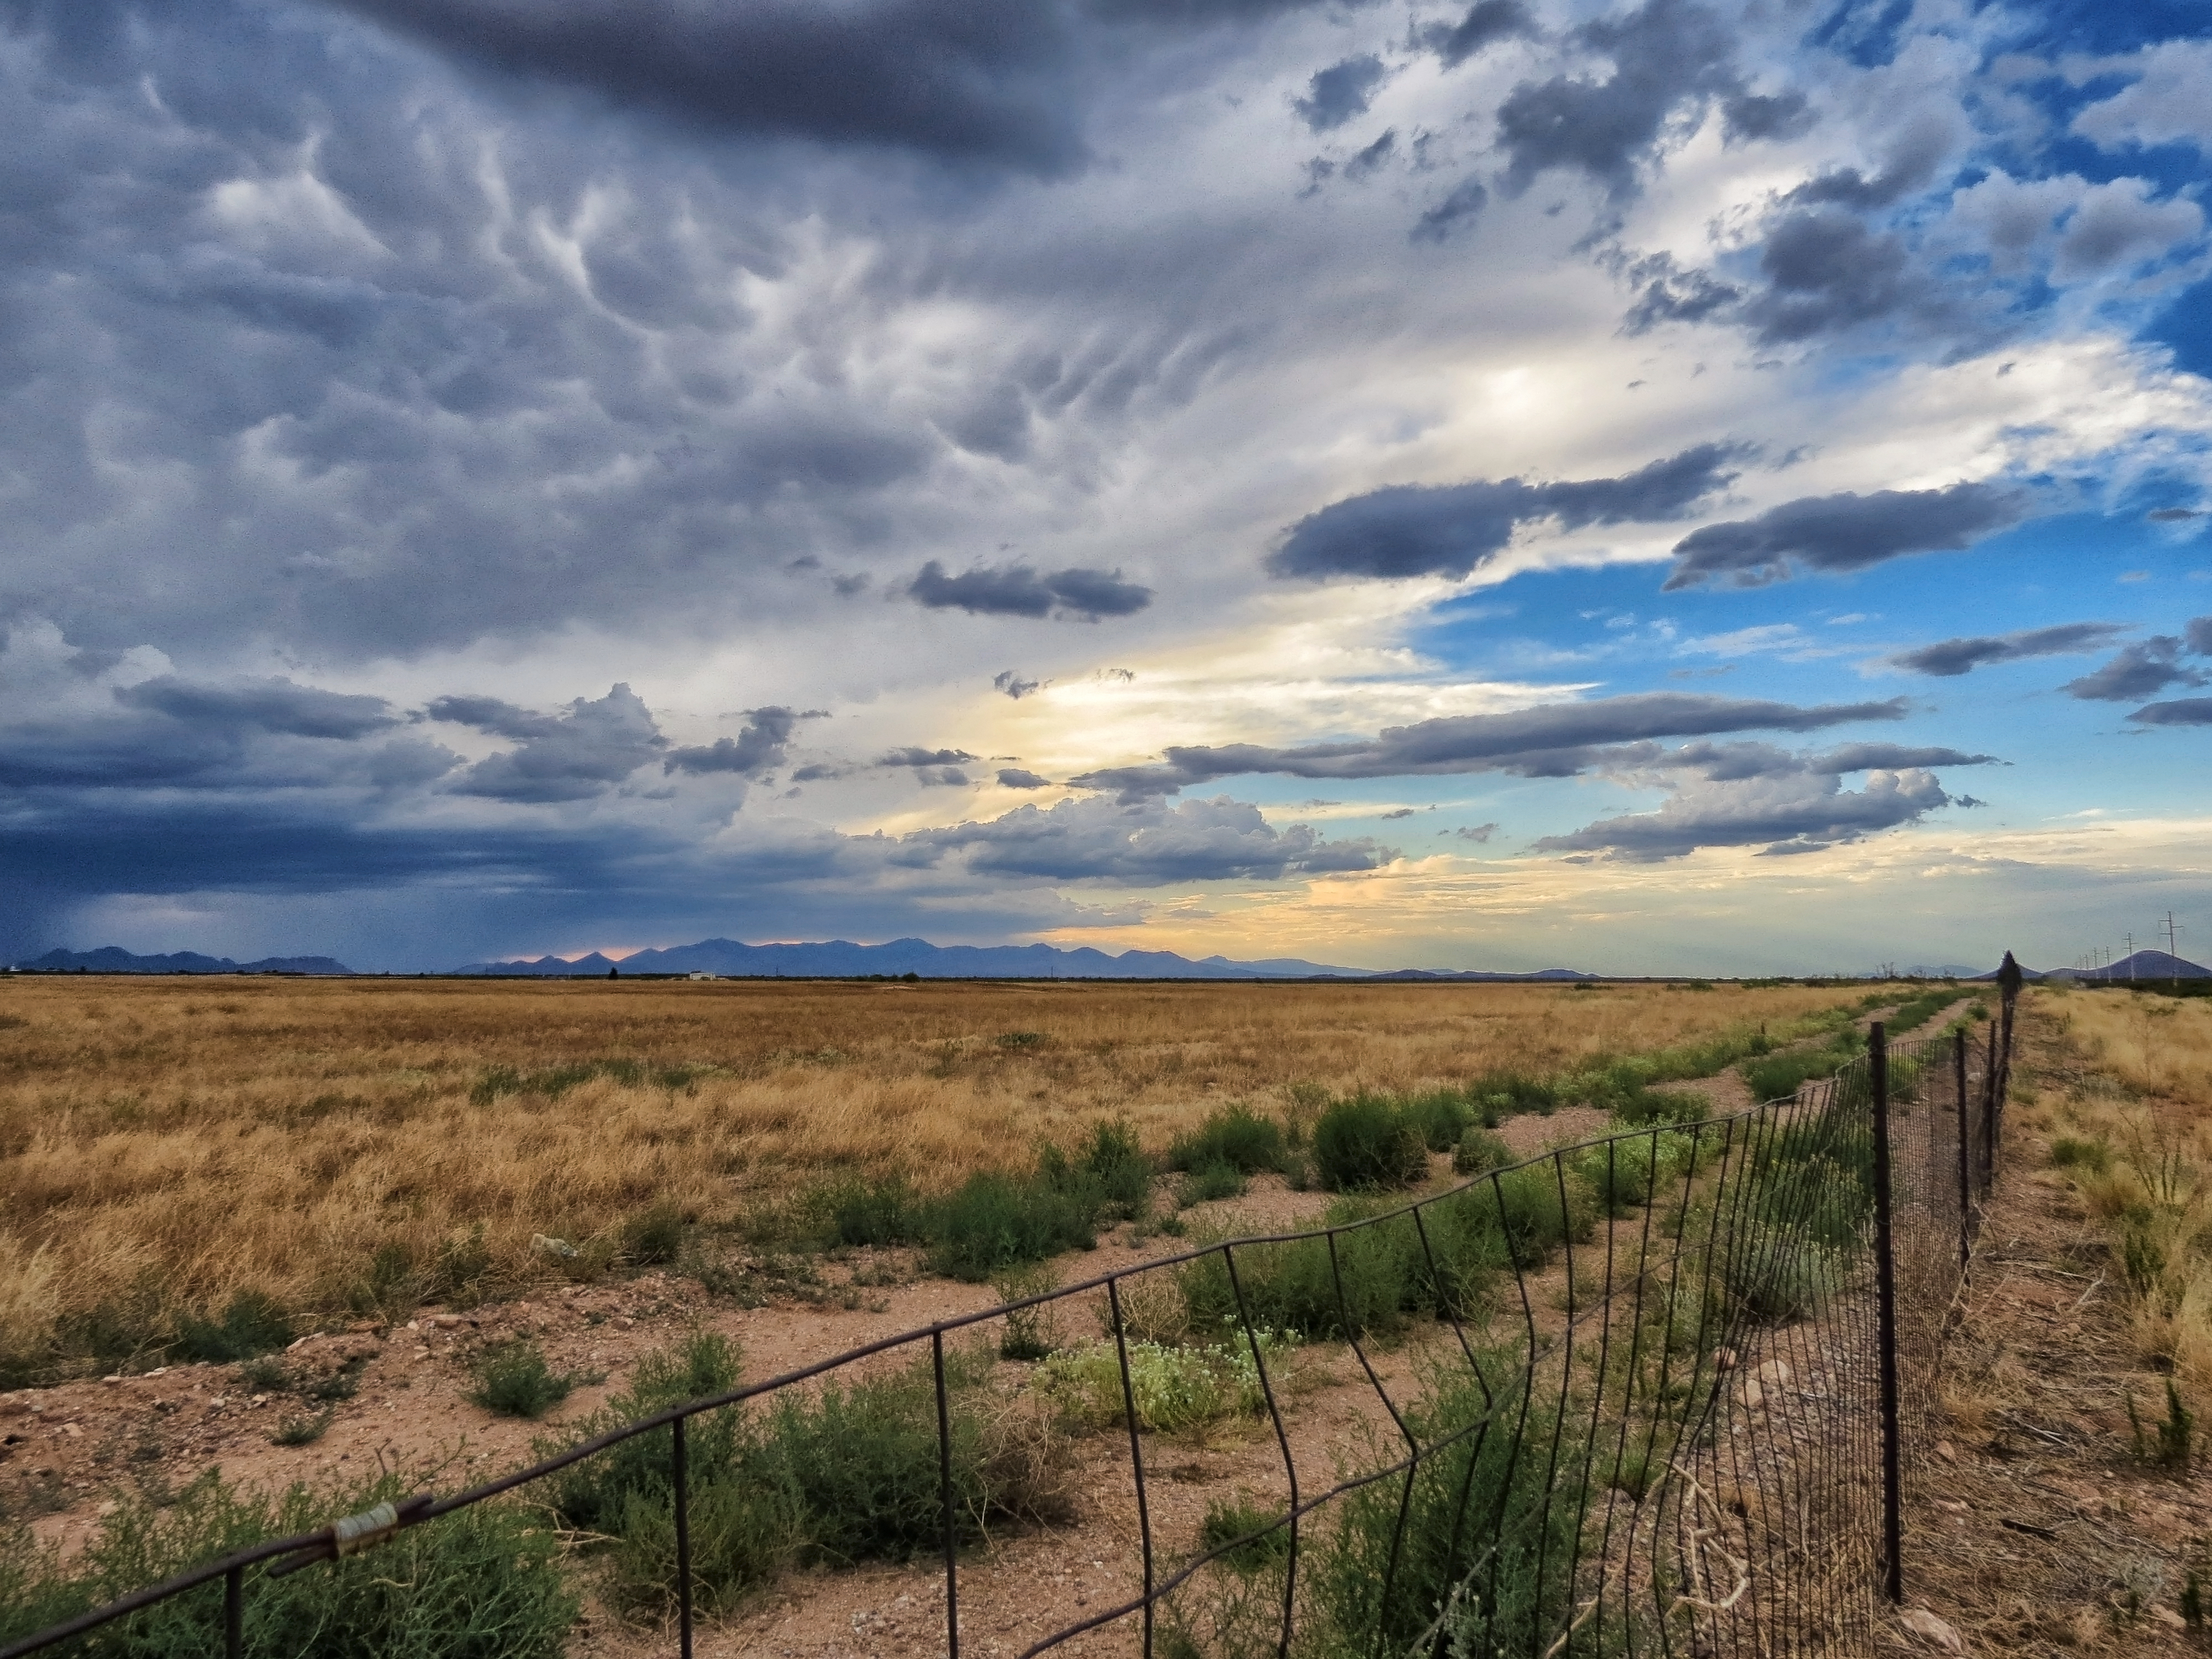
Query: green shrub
[(484, 1582), (1479, 1151), (513, 1380), (2074, 1151), (1484, 1565), (1235, 1135), (655, 1234), (593, 1495), (1364, 1142), (1500, 1095), (996, 1220), (1440, 1117), (1117, 1170), (877, 1212), (304, 1428), (252, 1324), (1626, 1171), (1217, 1179), (1174, 1388), (1541, 1208), (1228, 1521), (1029, 1332)]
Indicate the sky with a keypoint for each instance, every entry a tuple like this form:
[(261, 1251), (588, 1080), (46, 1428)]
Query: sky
[(1686, 486)]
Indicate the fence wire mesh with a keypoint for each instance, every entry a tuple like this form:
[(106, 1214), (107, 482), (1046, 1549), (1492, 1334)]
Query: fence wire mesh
[(1658, 1393)]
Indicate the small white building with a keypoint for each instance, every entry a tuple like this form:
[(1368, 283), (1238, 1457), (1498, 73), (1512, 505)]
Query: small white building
[(702, 977)]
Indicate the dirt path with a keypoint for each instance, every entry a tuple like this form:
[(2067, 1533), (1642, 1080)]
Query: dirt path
[(2036, 1532)]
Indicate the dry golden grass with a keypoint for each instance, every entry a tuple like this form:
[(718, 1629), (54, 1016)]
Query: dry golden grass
[(2137, 1104), (173, 1140)]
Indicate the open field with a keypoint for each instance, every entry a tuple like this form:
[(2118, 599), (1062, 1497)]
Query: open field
[(165, 1143)]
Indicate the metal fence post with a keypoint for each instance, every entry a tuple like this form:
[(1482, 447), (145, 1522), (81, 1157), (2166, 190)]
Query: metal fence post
[(681, 1471), (945, 1494), (233, 1614), (1893, 1523), (1989, 1111), (1966, 1147)]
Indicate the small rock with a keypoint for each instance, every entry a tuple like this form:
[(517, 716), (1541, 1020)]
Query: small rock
[(1946, 1451), (1774, 1372), (72, 1431), (414, 1325), (2169, 1618), (111, 1381), (107, 1509), (1925, 1623), (1752, 1394), (1725, 1360)]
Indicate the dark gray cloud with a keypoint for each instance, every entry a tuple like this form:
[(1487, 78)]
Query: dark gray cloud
[(590, 747), (1456, 211), (1551, 740), (761, 744), (273, 705), (493, 714), (1018, 590), (1749, 117), (914, 755), (2197, 631), (1340, 92), (1664, 53), (1844, 532), (1146, 844), (1014, 684), (1672, 294), (1428, 529), (1827, 271), (1803, 812), (1486, 23), (1019, 777), (1475, 832), (1374, 156), (1950, 658), (965, 80), (2141, 670), (2183, 711)]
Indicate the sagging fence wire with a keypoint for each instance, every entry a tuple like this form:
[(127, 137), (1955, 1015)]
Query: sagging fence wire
[(1661, 1392)]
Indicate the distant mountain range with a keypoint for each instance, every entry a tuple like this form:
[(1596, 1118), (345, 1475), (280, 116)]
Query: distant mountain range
[(111, 959), (840, 958), (2143, 965)]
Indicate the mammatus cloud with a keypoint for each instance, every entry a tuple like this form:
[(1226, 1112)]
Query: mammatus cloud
[(760, 746), (1950, 658), (1842, 533), (583, 751), (1017, 589), (1146, 844), (1450, 530), (1552, 740), (1743, 794)]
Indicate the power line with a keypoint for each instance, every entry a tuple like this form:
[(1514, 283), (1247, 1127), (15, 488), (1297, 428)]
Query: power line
[(2172, 949)]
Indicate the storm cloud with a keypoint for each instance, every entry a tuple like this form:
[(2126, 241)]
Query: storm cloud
[(585, 751), (1799, 812), (1146, 844), (1844, 532), (760, 745), (1550, 740), (1950, 658), (1017, 589), (1452, 530)]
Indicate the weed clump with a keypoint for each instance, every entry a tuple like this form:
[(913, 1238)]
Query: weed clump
[(484, 1582), (252, 1324), (513, 1380), (655, 1234), (1364, 1142), (1173, 1387), (1233, 1135), (1479, 1152)]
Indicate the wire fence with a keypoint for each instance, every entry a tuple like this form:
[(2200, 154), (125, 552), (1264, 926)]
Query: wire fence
[(1660, 1393)]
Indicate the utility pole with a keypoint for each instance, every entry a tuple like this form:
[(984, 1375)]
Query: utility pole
[(2131, 958), (2173, 949)]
